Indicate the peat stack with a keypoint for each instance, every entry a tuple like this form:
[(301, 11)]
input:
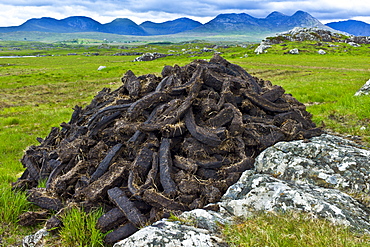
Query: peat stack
[(160, 145)]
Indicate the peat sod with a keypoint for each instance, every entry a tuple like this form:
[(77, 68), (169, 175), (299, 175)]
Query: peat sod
[(159, 145)]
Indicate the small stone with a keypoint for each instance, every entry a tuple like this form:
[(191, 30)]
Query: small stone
[(321, 52), (33, 240), (364, 90), (294, 51)]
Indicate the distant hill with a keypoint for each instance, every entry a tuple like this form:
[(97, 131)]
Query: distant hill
[(170, 27), (68, 25), (357, 28), (123, 26), (274, 22), (223, 24)]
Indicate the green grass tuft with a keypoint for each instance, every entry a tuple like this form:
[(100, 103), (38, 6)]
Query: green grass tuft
[(12, 204), (80, 229)]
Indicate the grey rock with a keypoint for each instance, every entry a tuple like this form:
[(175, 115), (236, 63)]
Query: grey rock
[(313, 34), (263, 192), (150, 56), (294, 51), (206, 219), (364, 90), (354, 44), (327, 160), (165, 233), (359, 39), (321, 52), (205, 49), (262, 48), (34, 240)]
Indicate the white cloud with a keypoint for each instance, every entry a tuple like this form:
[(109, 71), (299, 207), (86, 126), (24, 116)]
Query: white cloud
[(16, 12)]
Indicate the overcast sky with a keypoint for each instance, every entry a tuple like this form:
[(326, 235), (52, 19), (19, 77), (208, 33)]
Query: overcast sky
[(16, 12)]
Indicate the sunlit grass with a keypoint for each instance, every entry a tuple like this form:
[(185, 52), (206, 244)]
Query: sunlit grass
[(39, 93), (12, 204), (291, 229), (79, 228)]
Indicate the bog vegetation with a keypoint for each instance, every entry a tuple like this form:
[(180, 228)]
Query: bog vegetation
[(37, 93)]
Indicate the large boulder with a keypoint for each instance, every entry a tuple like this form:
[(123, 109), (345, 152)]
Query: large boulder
[(166, 233), (328, 161), (262, 192)]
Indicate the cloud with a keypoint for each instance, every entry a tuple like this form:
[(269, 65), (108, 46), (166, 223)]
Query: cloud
[(15, 12)]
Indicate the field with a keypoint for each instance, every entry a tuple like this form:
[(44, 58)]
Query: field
[(37, 93)]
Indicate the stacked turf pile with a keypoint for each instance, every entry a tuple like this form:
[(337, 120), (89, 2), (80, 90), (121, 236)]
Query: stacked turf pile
[(158, 145)]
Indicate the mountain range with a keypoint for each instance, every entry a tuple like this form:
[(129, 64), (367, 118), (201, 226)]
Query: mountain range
[(222, 24), (123, 26), (357, 28)]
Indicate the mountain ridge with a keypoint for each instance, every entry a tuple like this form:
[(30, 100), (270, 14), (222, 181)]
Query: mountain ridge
[(357, 28), (274, 22), (222, 24)]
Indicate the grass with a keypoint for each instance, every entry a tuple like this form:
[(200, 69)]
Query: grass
[(12, 204), (291, 229), (74, 221), (39, 93)]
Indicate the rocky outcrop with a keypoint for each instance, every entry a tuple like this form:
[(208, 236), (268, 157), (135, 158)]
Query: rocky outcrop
[(262, 48), (315, 176), (151, 56), (327, 161), (317, 34), (302, 34)]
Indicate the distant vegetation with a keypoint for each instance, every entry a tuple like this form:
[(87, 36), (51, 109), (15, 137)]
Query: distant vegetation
[(38, 93)]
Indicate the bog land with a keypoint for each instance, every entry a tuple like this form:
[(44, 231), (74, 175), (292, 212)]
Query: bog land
[(38, 92)]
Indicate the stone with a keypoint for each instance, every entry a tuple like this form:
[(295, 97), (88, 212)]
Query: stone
[(354, 44), (321, 52), (318, 34), (294, 51), (327, 160), (263, 192), (166, 233), (364, 90), (150, 56), (206, 219), (262, 48), (34, 240)]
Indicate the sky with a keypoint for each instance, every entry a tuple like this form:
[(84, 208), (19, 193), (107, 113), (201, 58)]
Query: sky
[(16, 12)]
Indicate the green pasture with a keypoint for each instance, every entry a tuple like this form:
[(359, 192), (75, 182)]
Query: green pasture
[(38, 93)]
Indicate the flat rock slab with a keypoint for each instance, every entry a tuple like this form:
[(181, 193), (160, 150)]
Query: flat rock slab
[(165, 233)]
